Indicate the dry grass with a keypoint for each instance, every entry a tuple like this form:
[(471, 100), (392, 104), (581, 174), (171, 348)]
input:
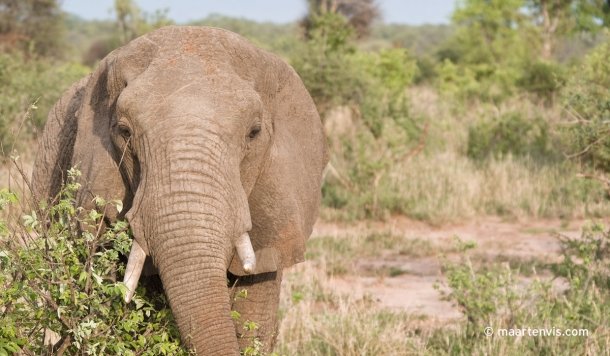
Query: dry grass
[(316, 321), (443, 185), (338, 255), (449, 187), (10, 176)]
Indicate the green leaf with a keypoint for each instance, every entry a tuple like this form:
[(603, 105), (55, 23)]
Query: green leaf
[(82, 276), (235, 314), (119, 205), (99, 201), (139, 302), (98, 279)]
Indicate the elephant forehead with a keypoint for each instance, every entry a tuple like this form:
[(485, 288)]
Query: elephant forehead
[(213, 46), (180, 91)]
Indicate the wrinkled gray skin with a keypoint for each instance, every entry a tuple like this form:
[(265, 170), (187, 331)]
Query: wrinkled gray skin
[(204, 137)]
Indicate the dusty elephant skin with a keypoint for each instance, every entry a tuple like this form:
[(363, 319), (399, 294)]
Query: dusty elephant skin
[(212, 144)]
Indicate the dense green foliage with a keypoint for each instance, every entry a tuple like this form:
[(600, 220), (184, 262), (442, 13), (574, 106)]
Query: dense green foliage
[(371, 85), (588, 102), (59, 274), (511, 134)]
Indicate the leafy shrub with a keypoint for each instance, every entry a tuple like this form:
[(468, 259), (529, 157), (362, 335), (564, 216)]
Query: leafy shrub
[(543, 78), (427, 70), (494, 297), (481, 81), (54, 279), (588, 102), (373, 86), (326, 64), (511, 134)]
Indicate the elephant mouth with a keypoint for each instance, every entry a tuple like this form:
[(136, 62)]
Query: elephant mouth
[(137, 257)]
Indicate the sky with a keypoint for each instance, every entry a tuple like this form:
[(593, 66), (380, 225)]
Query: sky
[(411, 12)]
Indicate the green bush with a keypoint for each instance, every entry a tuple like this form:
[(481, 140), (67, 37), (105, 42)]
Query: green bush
[(588, 103), (55, 278), (479, 81), (427, 70), (373, 86), (326, 63), (543, 78), (512, 134), (493, 297)]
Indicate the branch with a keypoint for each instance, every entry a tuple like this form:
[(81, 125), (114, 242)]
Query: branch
[(52, 303), (592, 176), (420, 146), (589, 146), (332, 170), (65, 343)]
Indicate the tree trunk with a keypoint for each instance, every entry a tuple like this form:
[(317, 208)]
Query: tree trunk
[(549, 27)]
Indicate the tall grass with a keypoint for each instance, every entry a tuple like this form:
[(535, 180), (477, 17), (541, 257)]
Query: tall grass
[(443, 184), (450, 187)]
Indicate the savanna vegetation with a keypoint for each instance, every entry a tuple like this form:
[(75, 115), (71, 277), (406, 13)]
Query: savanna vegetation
[(504, 112)]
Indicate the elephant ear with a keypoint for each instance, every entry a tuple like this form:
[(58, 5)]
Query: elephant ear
[(285, 200), (77, 135), (78, 132), (56, 146)]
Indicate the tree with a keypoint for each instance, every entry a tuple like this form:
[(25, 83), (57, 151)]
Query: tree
[(489, 30), (127, 14), (360, 13), (553, 18), (35, 26), (592, 15), (132, 22)]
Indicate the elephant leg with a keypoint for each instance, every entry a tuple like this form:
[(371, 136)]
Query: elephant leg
[(259, 306)]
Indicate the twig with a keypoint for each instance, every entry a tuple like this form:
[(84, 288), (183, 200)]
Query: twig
[(375, 186), (52, 303), (26, 181), (124, 150), (334, 172), (420, 146), (65, 343), (589, 146), (577, 120)]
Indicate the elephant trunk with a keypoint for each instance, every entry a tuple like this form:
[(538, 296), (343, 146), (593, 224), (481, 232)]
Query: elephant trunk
[(198, 218), (199, 300)]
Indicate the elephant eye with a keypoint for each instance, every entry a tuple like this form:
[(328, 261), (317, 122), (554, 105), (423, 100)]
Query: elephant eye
[(123, 130), (254, 132)]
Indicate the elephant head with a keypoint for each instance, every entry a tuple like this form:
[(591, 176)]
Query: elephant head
[(217, 151)]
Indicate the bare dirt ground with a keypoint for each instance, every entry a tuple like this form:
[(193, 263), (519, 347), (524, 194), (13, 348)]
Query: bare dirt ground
[(413, 291)]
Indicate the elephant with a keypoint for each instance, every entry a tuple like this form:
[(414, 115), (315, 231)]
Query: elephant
[(216, 150)]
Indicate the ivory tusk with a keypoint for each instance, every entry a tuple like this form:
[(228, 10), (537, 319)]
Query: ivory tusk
[(137, 256), (246, 253)]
